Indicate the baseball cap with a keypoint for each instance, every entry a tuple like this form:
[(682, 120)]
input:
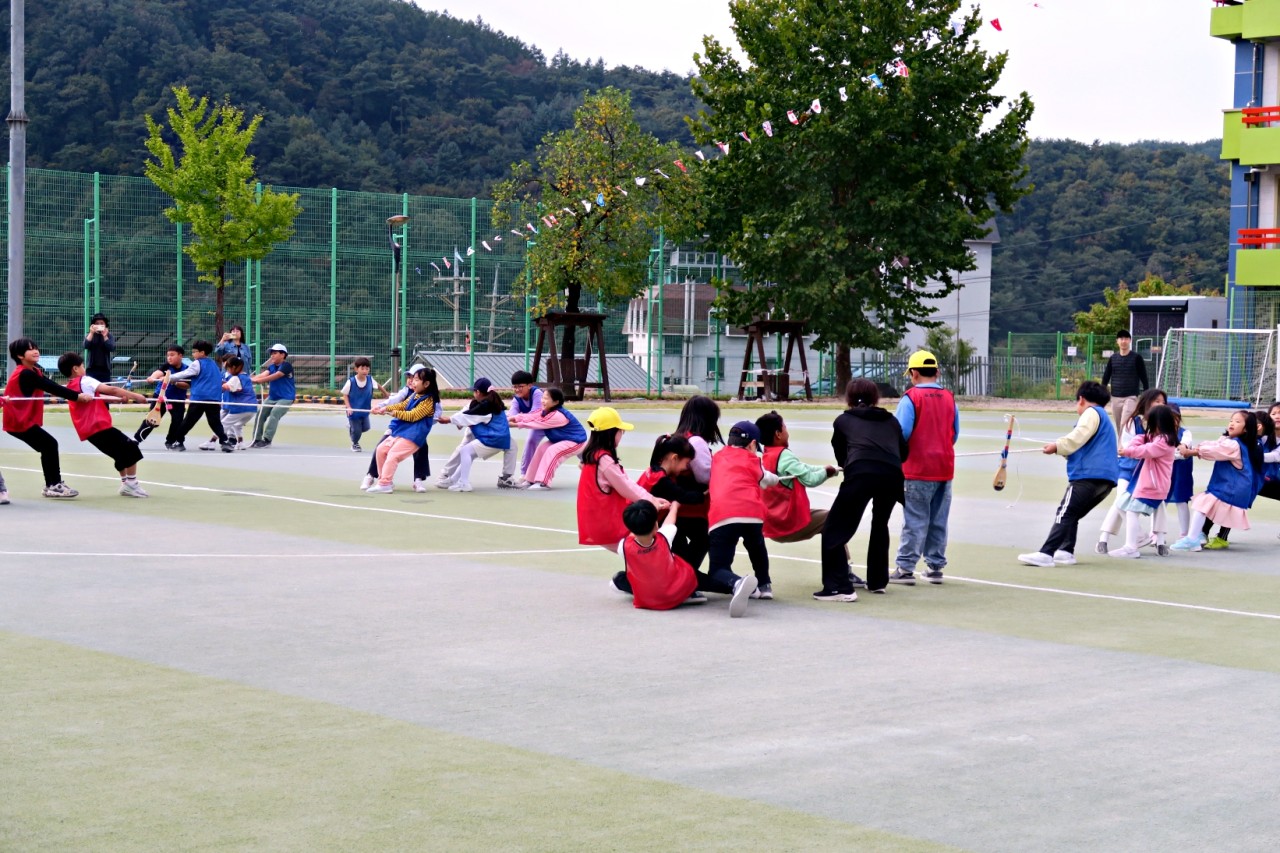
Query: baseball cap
[(746, 429), (482, 385), (921, 358), (414, 369), (280, 348), (607, 417)]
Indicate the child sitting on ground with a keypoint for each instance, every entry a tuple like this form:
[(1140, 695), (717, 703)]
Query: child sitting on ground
[(93, 422), (737, 513), (656, 578)]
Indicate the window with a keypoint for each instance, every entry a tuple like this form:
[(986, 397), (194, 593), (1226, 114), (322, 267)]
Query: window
[(715, 367)]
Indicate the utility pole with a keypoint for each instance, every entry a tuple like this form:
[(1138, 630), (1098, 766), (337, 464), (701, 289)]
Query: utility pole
[(17, 122)]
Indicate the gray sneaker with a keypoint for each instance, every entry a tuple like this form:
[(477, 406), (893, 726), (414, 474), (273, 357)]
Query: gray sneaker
[(933, 576), (59, 490), (904, 578), (741, 595), (1101, 547)]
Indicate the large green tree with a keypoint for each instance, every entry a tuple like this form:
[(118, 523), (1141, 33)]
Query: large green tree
[(843, 214), (597, 194), (211, 181), (1105, 318)]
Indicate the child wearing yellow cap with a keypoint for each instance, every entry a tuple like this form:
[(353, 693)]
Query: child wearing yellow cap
[(604, 489)]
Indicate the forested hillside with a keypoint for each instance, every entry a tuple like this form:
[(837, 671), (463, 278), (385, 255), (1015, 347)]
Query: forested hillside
[(1101, 214), (359, 94)]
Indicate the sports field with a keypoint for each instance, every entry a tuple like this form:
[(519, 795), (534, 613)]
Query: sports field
[(262, 657)]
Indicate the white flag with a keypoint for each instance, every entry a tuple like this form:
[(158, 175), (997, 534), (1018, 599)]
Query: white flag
[(844, 96), (768, 128), (816, 106)]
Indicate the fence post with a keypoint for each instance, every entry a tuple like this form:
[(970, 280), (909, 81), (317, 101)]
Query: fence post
[(1057, 362), (403, 295), (85, 306), (471, 310), (178, 261), (1008, 365), (662, 290), (97, 242), (333, 283)]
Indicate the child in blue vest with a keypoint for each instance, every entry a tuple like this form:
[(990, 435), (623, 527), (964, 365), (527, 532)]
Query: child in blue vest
[(1234, 483), (526, 399), (565, 437), (239, 402), (1130, 428), (206, 395), (357, 395), (1092, 471), (1270, 442), (421, 458), (490, 434), (1183, 484), (411, 422)]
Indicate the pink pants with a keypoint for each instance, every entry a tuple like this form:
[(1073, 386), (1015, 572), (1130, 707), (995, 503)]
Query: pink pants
[(390, 454), (547, 458)]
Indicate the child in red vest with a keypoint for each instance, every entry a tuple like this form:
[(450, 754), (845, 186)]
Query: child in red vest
[(737, 513), (656, 578), (24, 412), (604, 489), (93, 422)]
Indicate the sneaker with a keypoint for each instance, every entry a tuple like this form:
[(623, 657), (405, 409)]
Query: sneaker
[(1162, 550), (228, 446), (1186, 543), (355, 448), (879, 591), (1101, 547), (522, 483), (241, 444), (133, 490), (177, 445), (1147, 541), (211, 444), (1126, 553), (1036, 558), (904, 578), (696, 598), (460, 487), (765, 591), (443, 483), (419, 485), (613, 585), (506, 483), (1217, 543), (366, 482), (741, 594), (857, 582), (827, 595), (4, 497), (538, 487), (260, 443), (59, 490), (379, 489), (933, 576), (1065, 558)]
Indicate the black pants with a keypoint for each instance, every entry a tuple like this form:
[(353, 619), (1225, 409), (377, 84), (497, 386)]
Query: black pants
[(176, 412), (1077, 502), (47, 446), (882, 492), (124, 452), (692, 540), (421, 461), (210, 411), (1270, 489), (723, 541)]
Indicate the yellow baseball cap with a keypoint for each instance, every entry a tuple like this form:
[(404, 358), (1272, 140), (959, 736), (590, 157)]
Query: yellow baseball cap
[(607, 417), (920, 359)]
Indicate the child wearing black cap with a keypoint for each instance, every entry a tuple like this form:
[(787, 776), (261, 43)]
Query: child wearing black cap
[(487, 434), (737, 512)]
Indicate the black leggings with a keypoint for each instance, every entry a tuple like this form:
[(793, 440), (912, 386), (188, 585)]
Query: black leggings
[(47, 446), (210, 411)]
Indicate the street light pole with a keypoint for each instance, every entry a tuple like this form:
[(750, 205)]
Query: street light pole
[(392, 222)]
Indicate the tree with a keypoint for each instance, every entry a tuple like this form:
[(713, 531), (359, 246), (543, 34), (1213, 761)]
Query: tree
[(596, 198), (211, 183), (954, 355), (843, 214), (1105, 318)]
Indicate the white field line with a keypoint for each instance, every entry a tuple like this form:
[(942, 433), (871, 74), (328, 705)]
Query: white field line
[(289, 555)]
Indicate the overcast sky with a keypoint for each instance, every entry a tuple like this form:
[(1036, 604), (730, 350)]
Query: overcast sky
[(1112, 70)]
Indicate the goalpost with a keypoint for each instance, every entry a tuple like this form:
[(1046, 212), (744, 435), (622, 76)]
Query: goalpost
[(1226, 368)]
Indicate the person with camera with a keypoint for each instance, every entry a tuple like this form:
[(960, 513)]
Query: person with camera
[(98, 346), (232, 343)]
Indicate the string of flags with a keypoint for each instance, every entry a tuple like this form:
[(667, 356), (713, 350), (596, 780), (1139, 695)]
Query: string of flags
[(897, 67)]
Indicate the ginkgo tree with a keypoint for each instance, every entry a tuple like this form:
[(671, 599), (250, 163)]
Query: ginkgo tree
[(210, 179), (895, 152)]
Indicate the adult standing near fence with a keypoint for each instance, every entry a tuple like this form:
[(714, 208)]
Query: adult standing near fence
[(281, 392), (233, 343), (98, 346), (930, 424), (1125, 376)]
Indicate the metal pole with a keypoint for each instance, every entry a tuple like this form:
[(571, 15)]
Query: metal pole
[(17, 122), (333, 282), (471, 311), (1057, 363), (404, 277), (97, 242), (178, 260), (648, 328), (392, 222), (1008, 365), (662, 291), (84, 308)]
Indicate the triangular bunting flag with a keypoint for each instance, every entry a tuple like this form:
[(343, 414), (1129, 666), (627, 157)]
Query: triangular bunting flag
[(815, 107), (844, 96), (471, 250), (792, 117), (517, 233), (640, 181), (743, 134), (662, 173), (723, 146), (447, 265), (680, 166), (436, 268), (901, 68), (995, 22), (768, 128), (699, 155), (586, 205), (599, 199), (497, 238), (486, 245)]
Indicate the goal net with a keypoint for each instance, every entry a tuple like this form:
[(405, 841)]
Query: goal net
[(1219, 367)]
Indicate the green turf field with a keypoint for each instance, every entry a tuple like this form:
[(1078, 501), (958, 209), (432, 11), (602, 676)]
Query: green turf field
[(262, 657)]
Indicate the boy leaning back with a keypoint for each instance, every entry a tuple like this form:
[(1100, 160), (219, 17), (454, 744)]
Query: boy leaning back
[(93, 422), (1092, 471)]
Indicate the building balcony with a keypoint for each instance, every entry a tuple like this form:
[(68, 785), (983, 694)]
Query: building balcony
[(1253, 20), (1258, 259), (1251, 136)]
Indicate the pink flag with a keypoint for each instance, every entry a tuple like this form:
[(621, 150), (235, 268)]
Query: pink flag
[(743, 134), (471, 250), (901, 67), (447, 265), (995, 22), (529, 225), (768, 128), (486, 245), (723, 146), (680, 166), (546, 220), (791, 115)]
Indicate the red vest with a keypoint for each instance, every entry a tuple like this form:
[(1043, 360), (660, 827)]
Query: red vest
[(735, 486), (88, 418), (659, 579), (932, 444), (786, 505), (599, 512), (21, 415), (693, 510), (650, 478)]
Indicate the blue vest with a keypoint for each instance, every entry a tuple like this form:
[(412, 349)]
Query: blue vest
[(172, 394), (572, 431), (496, 433), (533, 404), (239, 402), (1182, 485), (415, 431), (1270, 470), (361, 398), (1129, 468), (208, 384), (281, 389), (1231, 486), (1097, 460)]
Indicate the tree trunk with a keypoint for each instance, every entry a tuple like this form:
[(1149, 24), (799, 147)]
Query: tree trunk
[(844, 370)]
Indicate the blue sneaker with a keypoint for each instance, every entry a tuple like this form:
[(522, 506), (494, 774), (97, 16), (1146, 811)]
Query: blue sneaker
[(1187, 543)]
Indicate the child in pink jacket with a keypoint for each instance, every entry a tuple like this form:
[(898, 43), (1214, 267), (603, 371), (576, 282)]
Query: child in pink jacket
[(1155, 450)]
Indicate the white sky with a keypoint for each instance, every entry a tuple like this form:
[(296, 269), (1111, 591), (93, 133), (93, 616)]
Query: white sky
[(1111, 70)]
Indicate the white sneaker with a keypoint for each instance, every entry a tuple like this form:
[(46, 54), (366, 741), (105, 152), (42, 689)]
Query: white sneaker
[(1147, 541), (443, 483), (1064, 558), (460, 487), (366, 482), (419, 485), (211, 444), (59, 490), (741, 595), (133, 490), (379, 489), (1036, 558), (1125, 553), (538, 487), (4, 497)]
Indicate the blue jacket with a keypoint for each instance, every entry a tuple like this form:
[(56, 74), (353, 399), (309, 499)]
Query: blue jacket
[(1230, 486), (496, 433), (572, 431), (207, 385), (1097, 460)]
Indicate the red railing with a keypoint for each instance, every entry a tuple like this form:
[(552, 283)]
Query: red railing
[(1259, 115), (1257, 237)]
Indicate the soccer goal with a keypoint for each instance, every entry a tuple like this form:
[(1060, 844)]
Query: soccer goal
[(1226, 368)]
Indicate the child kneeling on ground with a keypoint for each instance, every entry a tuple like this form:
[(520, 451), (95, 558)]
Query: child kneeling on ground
[(656, 578)]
